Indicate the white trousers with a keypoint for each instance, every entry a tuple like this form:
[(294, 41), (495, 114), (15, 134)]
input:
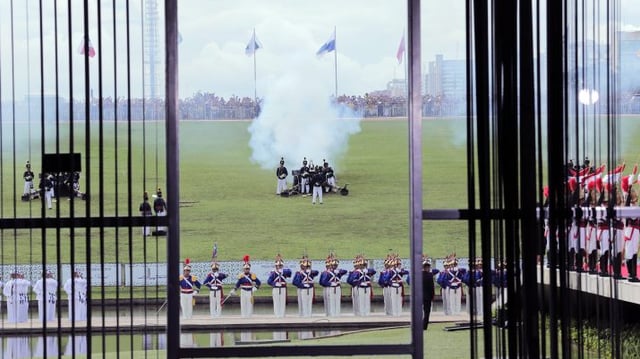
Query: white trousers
[(186, 304), (332, 296), (362, 299), (305, 301), (162, 214), (48, 195), (27, 187), (47, 309), (455, 300), (446, 307), (317, 192), (395, 301), (631, 244), (215, 309), (279, 295), (387, 300), (246, 303), (281, 186)]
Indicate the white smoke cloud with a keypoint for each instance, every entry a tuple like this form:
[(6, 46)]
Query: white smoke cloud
[(298, 120)]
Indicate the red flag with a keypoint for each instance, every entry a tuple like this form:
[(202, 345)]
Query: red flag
[(90, 51), (400, 52)]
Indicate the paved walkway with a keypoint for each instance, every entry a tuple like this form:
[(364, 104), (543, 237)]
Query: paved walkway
[(202, 322)]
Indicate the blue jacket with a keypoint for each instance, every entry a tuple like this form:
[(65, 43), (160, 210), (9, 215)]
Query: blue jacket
[(331, 278), (304, 279), (277, 279)]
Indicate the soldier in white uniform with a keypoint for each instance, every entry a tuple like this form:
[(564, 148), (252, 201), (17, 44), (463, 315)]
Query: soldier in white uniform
[(160, 207), (247, 283), (16, 292), (146, 211), (303, 280), (214, 282), (46, 293), (28, 181), (361, 289), (278, 281), (76, 289), (330, 279), (281, 176), (396, 285), (189, 286)]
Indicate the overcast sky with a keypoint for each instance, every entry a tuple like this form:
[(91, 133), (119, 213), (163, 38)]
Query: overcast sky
[(214, 37)]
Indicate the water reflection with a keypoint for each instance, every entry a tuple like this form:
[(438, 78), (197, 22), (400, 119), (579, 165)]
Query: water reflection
[(216, 340), (51, 350), (305, 334), (17, 347), (187, 340), (280, 335), (77, 344)]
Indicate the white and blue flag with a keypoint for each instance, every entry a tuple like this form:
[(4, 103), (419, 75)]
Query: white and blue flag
[(253, 45), (328, 46)]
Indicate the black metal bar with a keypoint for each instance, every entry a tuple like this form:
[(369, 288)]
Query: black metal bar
[(94, 222), (173, 177), (300, 351), (415, 171)]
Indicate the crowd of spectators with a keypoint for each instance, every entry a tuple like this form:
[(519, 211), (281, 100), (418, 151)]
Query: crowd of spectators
[(209, 106)]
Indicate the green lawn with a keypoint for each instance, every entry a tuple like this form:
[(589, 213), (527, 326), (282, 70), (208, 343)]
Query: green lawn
[(228, 200)]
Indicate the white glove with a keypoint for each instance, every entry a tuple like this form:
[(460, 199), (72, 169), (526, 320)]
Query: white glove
[(195, 292), (254, 289), (233, 291)]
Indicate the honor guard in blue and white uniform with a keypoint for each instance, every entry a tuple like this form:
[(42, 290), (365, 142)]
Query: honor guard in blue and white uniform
[(330, 281), (247, 283), (76, 289), (444, 285), (281, 176), (16, 292), (147, 212), (385, 283), (454, 287), (473, 279), (214, 282), (395, 283), (278, 281), (303, 280), (47, 295), (28, 181), (631, 240), (499, 280), (361, 289), (189, 286)]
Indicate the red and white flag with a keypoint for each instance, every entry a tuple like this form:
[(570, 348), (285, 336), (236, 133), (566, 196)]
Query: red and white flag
[(90, 51), (400, 52)]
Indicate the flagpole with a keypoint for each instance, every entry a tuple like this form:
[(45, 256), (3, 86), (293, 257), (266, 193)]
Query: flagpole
[(335, 62), (405, 65), (255, 76)]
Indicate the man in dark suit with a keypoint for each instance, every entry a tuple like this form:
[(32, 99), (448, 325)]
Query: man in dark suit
[(428, 289)]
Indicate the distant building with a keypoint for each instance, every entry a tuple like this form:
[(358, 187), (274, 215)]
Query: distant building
[(397, 88), (446, 78)]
